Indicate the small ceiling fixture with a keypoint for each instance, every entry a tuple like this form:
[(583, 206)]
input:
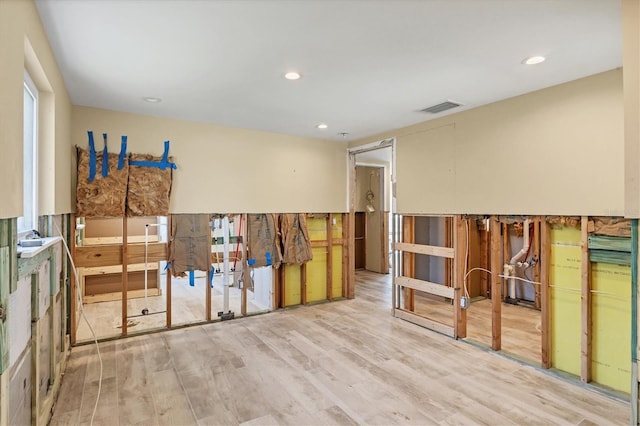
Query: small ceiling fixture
[(322, 126), (152, 100), (292, 75), (533, 60)]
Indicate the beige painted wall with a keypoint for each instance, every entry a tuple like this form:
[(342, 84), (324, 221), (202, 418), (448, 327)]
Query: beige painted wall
[(631, 77), (224, 169), (555, 151), (20, 27)]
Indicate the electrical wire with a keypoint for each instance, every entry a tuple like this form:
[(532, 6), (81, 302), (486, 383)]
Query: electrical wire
[(84, 316)]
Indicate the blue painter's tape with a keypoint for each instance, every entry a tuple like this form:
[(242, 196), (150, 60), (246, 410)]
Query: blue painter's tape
[(211, 273), (192, 278), (123, 152), (162, 164), (105, 157), (268, 256), (251, 262), (92, 157)]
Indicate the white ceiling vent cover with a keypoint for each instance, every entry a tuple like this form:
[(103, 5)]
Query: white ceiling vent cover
[(444, 106)]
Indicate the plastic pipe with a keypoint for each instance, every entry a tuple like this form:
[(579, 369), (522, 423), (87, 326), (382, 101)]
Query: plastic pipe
[(519, 257)]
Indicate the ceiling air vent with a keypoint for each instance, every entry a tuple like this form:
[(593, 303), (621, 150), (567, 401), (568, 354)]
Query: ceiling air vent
[(441, 107)]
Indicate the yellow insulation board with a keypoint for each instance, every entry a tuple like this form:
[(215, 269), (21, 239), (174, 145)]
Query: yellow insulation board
[(336, 272), (317, 275), (564, 277), (337, 228), (292, 293), (317, 227), (611, 325)]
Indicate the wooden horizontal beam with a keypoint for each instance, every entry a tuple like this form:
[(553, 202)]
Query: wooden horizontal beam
[(115, 269), (156, 252), (447, 252), (426, 286), (219, 256), (93, 241), (109, 297), (110, 255), (424, 322), (334, 242)]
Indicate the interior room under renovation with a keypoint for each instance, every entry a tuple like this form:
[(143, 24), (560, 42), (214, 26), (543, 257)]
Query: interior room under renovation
[(319, 212)]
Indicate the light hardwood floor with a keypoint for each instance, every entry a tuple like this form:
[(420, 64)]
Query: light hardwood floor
[(521, 325), (346, 362), (188, 306)]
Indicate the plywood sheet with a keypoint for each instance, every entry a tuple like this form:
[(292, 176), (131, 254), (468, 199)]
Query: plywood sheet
[(564, 277), (611, 325), (317, 275), (292, 292)]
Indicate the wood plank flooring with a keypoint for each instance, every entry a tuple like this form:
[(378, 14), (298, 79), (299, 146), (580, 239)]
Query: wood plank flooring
[(188, 306), (521, 325), (345, 362)]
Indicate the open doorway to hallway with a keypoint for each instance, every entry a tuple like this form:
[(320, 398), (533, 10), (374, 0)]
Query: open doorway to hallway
[(371, 205)]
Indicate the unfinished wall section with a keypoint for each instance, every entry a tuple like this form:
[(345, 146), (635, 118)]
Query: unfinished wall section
[(554, 291)]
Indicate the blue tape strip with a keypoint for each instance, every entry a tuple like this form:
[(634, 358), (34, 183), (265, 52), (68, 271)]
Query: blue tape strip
[(123, 152), (251, 262), (92, 157), (105, 157), (211, 274), (192, 278), (162, 164), (268, 256)]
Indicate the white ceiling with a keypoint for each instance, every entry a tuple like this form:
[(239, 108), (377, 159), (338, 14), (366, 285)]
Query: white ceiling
[(368, 66)]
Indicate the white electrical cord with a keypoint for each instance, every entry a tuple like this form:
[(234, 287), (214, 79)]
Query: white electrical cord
[(83, 315)]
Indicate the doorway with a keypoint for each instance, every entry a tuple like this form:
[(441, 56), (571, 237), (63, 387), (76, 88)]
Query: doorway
[(371, 203)]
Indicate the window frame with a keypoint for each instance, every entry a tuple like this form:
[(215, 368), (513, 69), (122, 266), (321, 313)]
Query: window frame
[(30, 195)]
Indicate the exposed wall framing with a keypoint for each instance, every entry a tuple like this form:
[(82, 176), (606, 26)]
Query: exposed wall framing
[(330, 245)]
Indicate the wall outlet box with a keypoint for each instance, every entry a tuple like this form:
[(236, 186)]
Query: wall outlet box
[(33, 242)]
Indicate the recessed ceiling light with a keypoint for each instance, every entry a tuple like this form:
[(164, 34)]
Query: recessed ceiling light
[(292, 75), (322, 126), (533, 60), (152, 100)]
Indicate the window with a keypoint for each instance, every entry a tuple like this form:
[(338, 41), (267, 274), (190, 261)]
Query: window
[(29, 218)]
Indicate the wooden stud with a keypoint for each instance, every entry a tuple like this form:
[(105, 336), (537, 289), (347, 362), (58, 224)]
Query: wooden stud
[(506, 252), (303, 284), (448, 242), (207, 285), (496, 284), (348, 247), (485, 281), (351, 275), (125, 276), (168, 273), (408, 260), (246, 276), (330, 256), (460, 242), (536, 253), (72, 283), (384, 244), (585, 269), (545, 294)]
